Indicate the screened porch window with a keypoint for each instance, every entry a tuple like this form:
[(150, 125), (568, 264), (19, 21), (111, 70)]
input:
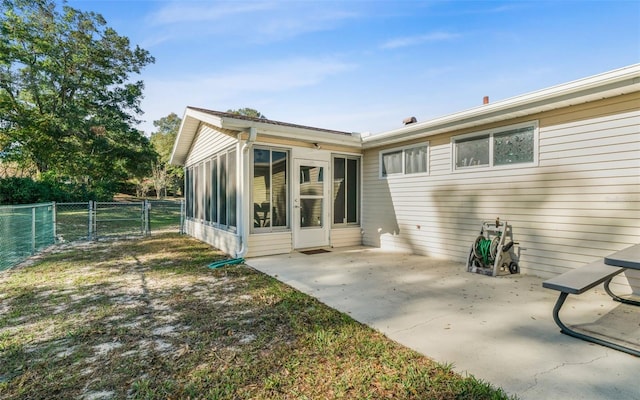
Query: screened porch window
[(270, 189), (210, 190), (346, 190)]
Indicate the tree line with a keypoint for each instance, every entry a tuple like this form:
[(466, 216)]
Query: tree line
[(69, 106), (68, 98)]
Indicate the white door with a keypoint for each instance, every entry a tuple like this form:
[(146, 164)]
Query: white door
[(310, 204)]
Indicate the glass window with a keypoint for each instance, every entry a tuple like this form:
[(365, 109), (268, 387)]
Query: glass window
[(196, 192), (353, 190), (214, 190), (415, 160), (211, 192), (207, 192), (311, 181), (311, 213), (472, 152), (188, 192), (201, 192), (407, 160), (279, 188), (269, 188), (346, 190), (339, 190), (222, 189), (231, 188), (392, 163), (513, 146)]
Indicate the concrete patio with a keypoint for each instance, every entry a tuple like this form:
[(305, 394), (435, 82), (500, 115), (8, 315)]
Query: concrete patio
[(498, 329)]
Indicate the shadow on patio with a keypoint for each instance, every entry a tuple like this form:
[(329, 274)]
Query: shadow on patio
[(497, 329)]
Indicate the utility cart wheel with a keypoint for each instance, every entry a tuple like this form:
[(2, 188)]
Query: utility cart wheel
[(513, 267)]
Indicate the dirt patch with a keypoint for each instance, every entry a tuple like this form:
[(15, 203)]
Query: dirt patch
[(147, 319)]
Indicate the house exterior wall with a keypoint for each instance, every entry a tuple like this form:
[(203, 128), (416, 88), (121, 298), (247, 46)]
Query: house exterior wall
[(346, 237), (265, 244), (208, 142), (280, 242), (225, 241), (581, 202)]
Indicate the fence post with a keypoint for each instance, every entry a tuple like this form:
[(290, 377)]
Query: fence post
[(90, 218), (146, 218), (55, 222), (33, 230)]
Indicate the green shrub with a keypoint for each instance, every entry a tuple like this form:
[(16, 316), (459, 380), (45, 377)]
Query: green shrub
[(20, 191), (52, 188)]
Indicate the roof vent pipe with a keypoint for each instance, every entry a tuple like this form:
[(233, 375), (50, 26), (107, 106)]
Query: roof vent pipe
[(409, 120), (485, 100)]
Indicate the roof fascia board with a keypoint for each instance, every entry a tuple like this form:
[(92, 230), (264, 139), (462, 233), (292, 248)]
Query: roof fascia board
[(624, 80), (186, 133), (295, 133)]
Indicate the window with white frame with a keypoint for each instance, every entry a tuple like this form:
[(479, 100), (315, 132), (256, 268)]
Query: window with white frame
[(346, 190), (270, 188), (514, 145), (406, 160)]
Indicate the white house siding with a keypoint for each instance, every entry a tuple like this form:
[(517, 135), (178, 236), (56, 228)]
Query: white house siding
[(581, 203), (264, 244), (223, 240), (207, 143), (345, 237)]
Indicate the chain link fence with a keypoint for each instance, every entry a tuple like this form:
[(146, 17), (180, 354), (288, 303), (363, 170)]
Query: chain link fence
[(166, 215), (27, 229), (72, 222), (115, 219), (24, 231)]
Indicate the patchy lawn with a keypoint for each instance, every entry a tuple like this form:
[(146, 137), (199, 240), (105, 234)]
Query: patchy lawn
[(146, 319)]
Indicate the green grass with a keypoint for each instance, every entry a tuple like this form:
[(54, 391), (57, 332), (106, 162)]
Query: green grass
[(146, 319)]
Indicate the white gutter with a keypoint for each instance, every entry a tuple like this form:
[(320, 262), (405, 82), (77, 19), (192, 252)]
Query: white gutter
[(617, 82), (243, 206)]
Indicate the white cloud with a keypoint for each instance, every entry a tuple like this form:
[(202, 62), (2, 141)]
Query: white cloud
[(222, 89), (277, 76), (418, 39), (252, 21), (188, 12)]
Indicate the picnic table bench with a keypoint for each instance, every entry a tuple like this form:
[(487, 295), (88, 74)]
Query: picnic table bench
[(579, 280)]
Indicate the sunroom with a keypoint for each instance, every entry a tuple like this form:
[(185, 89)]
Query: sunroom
[(256, 187)]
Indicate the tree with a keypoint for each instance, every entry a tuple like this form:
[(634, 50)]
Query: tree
[(166, 176), (67, 100), (248, 112)]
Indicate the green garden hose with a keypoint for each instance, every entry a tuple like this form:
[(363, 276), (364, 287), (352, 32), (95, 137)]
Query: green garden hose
[(484, 250)]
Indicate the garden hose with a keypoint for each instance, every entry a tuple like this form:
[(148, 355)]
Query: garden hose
[(486, 249)]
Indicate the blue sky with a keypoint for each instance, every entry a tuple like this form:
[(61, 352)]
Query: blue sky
[(364, 66)]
